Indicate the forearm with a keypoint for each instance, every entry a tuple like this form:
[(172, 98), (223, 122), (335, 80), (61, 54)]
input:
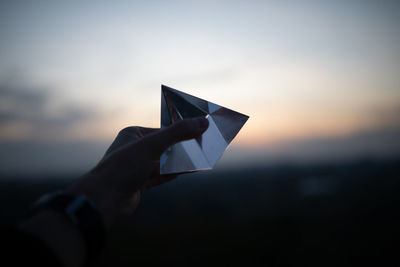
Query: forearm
[(60, 235), (72, 223)]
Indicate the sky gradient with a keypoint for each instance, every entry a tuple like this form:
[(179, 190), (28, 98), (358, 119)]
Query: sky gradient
[(76, 72)]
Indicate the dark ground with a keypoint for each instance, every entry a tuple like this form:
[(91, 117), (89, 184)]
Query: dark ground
[(332, 215)]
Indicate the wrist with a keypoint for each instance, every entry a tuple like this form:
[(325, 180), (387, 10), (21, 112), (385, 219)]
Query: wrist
[(100, 199), (113, 203)]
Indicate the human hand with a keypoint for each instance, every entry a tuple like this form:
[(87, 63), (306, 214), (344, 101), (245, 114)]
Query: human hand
[(131, 165)]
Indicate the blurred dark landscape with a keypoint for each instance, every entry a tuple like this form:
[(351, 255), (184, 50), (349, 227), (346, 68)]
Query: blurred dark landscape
[(314, 215)]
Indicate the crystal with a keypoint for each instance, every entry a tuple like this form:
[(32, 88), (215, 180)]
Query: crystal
[(201, 153)]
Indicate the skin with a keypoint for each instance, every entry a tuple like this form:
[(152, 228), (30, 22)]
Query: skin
[(115, 185)]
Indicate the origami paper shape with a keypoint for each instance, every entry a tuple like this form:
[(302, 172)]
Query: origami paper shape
[(201, 153)]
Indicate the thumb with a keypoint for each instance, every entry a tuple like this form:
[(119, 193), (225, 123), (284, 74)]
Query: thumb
[(182, 130)]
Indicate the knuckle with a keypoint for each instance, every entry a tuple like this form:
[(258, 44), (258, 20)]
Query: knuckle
[(128, 131)]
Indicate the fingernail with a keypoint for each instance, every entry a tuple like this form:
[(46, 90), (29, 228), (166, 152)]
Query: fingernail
[(202, 123)]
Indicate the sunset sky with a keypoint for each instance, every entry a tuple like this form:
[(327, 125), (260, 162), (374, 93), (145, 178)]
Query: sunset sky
[(76, 72)]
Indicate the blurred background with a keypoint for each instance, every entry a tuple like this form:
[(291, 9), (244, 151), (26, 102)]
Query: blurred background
[(312, 178)]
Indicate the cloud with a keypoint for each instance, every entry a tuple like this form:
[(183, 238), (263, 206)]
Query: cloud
[(29, 158), (30, 112), (18, 103)]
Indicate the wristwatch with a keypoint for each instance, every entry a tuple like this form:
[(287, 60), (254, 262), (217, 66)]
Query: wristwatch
[(80, 211)]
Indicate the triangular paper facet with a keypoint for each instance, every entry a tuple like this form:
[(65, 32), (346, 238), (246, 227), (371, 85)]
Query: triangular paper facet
[(201, 153)]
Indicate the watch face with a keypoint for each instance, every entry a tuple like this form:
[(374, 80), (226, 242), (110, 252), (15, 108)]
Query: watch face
[(73, 208), (77, 202), (65, 203)]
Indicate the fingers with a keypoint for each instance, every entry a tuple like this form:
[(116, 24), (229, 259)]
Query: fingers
[(124, 136), (136, 131), (145, 131), (129, 135), (182, 130)]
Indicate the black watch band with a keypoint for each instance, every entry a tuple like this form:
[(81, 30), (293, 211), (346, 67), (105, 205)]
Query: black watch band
[(82, 213)]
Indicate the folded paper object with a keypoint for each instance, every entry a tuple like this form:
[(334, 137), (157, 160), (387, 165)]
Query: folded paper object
[(203, 152)]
